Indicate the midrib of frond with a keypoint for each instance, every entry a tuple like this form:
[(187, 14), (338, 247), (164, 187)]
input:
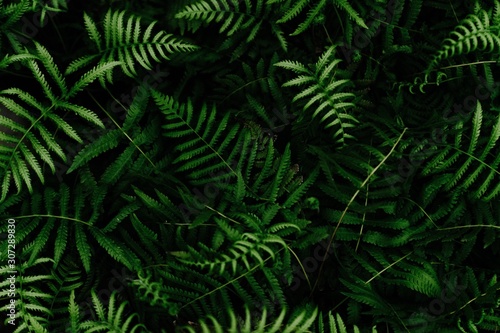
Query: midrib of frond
[(134, 45)]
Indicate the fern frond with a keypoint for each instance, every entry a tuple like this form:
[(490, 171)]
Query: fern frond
[(473, 33), (110, 320), (125, 42), (30, 141), (319, 7), (335, 324), (241, 21), (67, 278), (13, 13), (326, 92), (302, 320), (201, 145), (229, 11), (482, 182), (32, 305)]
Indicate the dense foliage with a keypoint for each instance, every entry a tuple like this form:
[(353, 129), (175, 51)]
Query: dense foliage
[(250, 165)]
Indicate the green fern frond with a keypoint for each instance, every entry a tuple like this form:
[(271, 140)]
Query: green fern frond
[(324, 90), (482, 181), (474, 33), (229, 11), (353, 14), (8, 60), (364, 293), (208, 11), (123, 41), (29, 140), (415, 8), (32, 306), (239, 251), (201, 145), (97, 72), (110, 320), (335, 324), (240, 21), (153, 292), (302, 320), (13, 13), (67, 278), (297, 194), (319, 7), (73, 215), (299, 321), (136, 146), (53, 6)]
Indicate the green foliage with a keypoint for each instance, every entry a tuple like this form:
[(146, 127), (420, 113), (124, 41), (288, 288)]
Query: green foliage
[(324, 91), (28, 142), (314, 14), (110, 320), (124, 42), (201, 145), (31, 304), (49, 8), (486, 171), (11, 14), (254, 166), (474, 33), (242, 21), (299, 322)]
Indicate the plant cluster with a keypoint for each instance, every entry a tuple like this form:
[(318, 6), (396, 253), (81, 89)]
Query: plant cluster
[(252, 165)]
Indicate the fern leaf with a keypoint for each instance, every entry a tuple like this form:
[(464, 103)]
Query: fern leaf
[(473, 33), (294, 197), (104, 143), (124, 41), (97, 72), (323, 90)]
